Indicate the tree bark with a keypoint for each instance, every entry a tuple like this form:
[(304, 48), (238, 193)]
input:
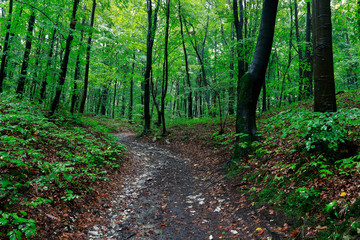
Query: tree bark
[(152, 23), (252, 81), (77, 75), (65, 61), (131, 102), (6, 47), (87, 67), (231, 88), (300, 53), (190, 100), (308, 72), (324, 84), (165, 70), (25, 63)]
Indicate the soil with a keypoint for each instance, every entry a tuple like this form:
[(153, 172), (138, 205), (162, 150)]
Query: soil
[(165, 195)]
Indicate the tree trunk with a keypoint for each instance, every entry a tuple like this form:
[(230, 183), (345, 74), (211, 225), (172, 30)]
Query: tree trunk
[(25, 63), (87, 67), (324, 88), (65, 61), (165, 70), (300, 52), (103, 99), (231, 88), (190, 100), (114, 100), (308, 72), (48, 64), (252, 81), (6, 47), (152, 23), (131, 103)]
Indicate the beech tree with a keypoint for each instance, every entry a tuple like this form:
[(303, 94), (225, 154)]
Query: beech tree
[(324, 84), (250, 84)]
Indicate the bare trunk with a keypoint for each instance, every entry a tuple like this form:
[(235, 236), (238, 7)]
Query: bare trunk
[(87, 67), (324, 88), (25, 63), (65, 61)]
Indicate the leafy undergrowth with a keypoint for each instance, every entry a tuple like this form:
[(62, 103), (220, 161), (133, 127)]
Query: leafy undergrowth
[(306, 165), (52, 171)]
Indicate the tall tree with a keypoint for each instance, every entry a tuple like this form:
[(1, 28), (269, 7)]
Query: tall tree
[(48, 64), (6, 47), (308, 71), (152, 23), (189, 98), (165, 82), (25, 63), (324, 84), (87, 67), (251, 83), (65, 60), (239, 23)]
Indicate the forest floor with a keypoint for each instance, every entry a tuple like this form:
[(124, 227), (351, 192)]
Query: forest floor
[(165, 195)]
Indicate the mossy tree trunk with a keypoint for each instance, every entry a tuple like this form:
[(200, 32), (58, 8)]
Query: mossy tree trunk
[(251, 83)]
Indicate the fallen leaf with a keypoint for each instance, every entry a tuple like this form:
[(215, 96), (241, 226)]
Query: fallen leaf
[(294, 233)]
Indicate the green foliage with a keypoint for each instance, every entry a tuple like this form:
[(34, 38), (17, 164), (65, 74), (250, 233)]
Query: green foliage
[(318, 131), (42, 155), (21, 226)]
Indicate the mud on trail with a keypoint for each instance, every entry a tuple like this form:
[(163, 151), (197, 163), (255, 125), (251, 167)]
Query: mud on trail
[(166, 196)]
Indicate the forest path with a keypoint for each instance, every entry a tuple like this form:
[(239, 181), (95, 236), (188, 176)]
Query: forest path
[(164, 197)]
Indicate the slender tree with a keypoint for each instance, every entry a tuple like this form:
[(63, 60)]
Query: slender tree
[(6, 47), (251, 83), (152, 23), (308, 71), (324, 84), (25, 63), (189, 98), (48, 64), (165, 82), (65, 60), (131, 100), (87, 67)]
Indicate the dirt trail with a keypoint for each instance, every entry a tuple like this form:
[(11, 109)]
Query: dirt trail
[(165, 197)]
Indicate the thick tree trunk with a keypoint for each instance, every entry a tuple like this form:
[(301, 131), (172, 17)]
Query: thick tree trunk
[(252, 82), (324, 88), (6, 47), (25, 63), (65, 61), (87, 67)]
